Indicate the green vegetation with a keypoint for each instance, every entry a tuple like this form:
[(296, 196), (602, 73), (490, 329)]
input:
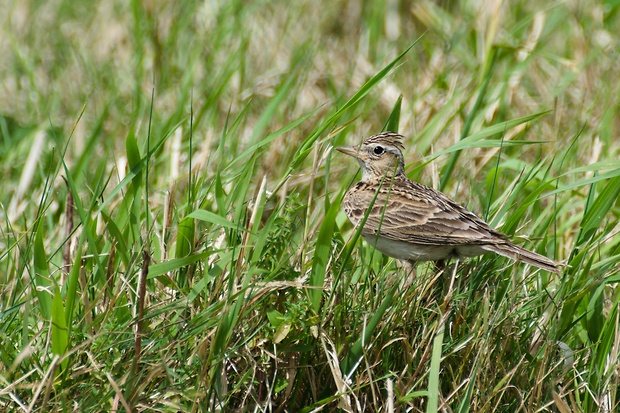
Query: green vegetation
[(172, 237)]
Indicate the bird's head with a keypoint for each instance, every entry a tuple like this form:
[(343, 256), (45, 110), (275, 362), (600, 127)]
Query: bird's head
[(379, 156)]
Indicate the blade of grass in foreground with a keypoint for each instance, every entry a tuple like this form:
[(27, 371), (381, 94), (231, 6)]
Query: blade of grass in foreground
[(391, 125), (42, 277), (72, 282), (322, 252), (60, 332), (433, 374), (186, 238)]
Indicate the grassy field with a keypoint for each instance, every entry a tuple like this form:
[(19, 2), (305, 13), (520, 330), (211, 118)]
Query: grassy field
[(172, 237)]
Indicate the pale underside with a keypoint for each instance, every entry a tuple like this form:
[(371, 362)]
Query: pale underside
[(419, 252)]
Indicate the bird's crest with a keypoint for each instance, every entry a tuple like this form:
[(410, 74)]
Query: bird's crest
[(388, 138)]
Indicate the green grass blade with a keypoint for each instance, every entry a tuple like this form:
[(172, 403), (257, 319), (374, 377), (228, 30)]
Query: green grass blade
[(60, 332), (72, 283), (174, 264), (42, 280), (85, 220), (272, 136), (136, 169), (322, 253), (186, 239), (355, 353), (587, 181), (475, 140), (595, 214), (117, 237), (208, 216), (434, 371), (391, 125)]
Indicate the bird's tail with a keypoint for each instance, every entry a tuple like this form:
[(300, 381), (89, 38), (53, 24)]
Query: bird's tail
[(521, 254)]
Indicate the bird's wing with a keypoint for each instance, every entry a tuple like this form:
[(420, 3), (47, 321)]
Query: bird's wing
[(418, 214)]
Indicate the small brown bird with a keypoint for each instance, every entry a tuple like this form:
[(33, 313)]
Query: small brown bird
[(412, 222)]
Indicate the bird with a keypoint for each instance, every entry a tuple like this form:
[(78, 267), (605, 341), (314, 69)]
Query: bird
[(412, 222)]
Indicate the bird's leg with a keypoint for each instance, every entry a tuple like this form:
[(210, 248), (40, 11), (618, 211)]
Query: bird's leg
[(410, 272), (440, 265)]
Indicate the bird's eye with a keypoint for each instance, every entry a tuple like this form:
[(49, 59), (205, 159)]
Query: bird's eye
[(378, 150)]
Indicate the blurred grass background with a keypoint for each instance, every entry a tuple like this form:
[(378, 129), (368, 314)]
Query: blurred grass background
[(172, 238)]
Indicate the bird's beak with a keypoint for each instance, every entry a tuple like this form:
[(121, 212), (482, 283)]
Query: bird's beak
[(349, 150)]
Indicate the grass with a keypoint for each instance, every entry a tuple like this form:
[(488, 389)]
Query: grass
[(172, 235)]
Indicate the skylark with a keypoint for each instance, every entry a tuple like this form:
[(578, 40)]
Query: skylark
[(412, 222)]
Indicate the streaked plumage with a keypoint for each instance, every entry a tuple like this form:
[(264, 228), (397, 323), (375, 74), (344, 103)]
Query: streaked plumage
[(412, 222)]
